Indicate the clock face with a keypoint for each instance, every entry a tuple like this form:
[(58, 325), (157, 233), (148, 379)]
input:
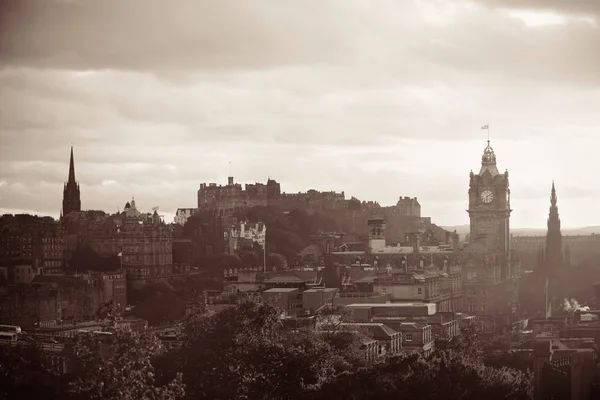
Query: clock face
[(487, 196)]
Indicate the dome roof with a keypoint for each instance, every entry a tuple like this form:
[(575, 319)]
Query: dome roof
[(127, 206), (489, 157), (488, 161)]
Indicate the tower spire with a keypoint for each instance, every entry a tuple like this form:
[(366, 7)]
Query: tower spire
[(71, 193), (71, 168), (553, 260)]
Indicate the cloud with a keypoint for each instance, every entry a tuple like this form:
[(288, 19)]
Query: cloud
[(573, 7), (403, 41), (379, 100), (212, 34)]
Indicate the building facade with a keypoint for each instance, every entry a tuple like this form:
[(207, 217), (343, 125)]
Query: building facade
[(143, 242), (490, 270), (182, 215), (244, 233)]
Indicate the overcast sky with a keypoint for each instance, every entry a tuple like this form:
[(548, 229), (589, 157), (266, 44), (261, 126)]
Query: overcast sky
[(379, 99)]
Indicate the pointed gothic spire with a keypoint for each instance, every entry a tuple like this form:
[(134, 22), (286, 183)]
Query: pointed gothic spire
[(553, 219), (554, 260), (72, 168), (71, 192)]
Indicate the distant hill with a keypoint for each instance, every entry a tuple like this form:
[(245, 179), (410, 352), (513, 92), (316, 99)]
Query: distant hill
[(463, 230)]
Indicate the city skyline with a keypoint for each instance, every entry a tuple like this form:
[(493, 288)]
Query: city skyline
[(378, 102)]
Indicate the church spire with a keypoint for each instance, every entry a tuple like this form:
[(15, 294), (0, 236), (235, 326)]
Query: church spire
[(553, 260), (71, 168), (71, 193), (553, 218)]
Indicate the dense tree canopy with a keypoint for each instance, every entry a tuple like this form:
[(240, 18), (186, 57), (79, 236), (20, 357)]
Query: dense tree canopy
[(119, 369), (443, 375), (26, 374), (247, 351)]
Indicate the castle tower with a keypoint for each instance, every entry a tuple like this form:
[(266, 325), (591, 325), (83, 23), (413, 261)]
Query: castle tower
[(71, 194), (489, 206), (553, 256)]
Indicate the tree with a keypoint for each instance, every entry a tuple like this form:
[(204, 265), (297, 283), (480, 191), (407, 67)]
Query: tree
[(444, 375), (246, 352), (120, 368), (25, 374), (161, 308), (467, 343)]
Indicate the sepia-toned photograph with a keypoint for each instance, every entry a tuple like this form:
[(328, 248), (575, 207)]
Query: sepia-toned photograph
[(299, 199)]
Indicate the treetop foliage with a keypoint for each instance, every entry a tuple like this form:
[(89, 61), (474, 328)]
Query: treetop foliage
[(248, 351)]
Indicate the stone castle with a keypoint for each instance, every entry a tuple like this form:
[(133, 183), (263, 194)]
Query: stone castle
[(351, 214)]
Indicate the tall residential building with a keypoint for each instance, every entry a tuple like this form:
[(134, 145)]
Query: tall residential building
[(71, 194), (553, 257)]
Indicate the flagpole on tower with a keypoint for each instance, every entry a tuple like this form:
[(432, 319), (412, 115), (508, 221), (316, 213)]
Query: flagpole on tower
[(487, 128)]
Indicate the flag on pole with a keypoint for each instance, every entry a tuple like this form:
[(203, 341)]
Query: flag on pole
[(486, 126)]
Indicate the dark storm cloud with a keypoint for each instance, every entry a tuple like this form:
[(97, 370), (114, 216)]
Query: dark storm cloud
[(383, 42), (574, 7), (153, 34)]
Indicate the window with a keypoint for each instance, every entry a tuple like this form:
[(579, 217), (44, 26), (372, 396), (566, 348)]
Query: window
[(419, 291), (408, 337)]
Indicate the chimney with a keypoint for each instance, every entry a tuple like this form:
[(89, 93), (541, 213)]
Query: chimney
[(414, 240), (230, 181), (455, 241)]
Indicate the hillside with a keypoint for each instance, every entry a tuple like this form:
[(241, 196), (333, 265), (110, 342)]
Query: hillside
[(462, 230)]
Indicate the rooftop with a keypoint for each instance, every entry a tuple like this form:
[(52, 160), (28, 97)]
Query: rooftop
[(281, 290), (391, 305), (327, 290)]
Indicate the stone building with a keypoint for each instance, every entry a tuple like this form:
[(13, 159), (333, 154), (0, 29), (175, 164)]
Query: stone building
[(244, 233), (142, 241), (79, 296), (208, 236), (28, 305), (31, 240), (233, 197), (182, 215), (553, 259), (491, 270)]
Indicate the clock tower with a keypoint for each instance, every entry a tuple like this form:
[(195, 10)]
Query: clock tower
[(489, 206)]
